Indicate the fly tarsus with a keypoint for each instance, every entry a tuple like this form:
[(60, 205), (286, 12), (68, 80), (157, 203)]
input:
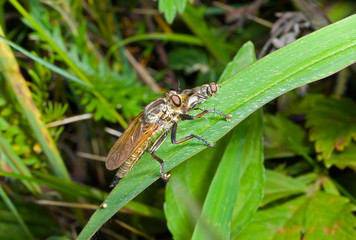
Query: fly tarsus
[(175, 141), (115, 181), (200, 115), (164, 176)]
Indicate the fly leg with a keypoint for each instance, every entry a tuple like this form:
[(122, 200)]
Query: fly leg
[(174, 135), (115, 181), (189, 117), (153, 149)]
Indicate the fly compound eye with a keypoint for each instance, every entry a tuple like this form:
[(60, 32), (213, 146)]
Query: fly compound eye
[(176, 100), (213, 87)]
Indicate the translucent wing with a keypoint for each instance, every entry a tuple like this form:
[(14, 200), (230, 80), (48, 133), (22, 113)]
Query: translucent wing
[(134, 136)]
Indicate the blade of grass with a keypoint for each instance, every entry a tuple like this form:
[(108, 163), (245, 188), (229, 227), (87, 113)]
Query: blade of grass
[(50, 41), (58, 184), (79, 190), (17, 166), (54, 68), (252, 175), (190, 181), (187, 189), (245, 146), (11, 73), (193, 18), (183, 38), (308, 59), (64, 56), (14, 211), (245, 149)]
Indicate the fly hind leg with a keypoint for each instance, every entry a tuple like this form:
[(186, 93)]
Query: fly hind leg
[(152, 150), (200, 115), (164, 176), (174, 135)]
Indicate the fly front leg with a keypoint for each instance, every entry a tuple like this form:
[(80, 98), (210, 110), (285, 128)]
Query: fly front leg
[(174, 135), (189, 117), (153, 149)]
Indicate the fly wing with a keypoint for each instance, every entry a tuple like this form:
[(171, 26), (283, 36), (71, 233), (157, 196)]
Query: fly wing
[(133, 137)]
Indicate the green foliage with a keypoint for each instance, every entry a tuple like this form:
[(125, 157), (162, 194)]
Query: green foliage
[(171, 7), (240, 94), (188, 60), (332, 127), (76, 52), (215, 43), (39, 222), (24, 229), (279, 186), (81, 60), (283, 137), (51, 111), (307, 217), (12, 125)]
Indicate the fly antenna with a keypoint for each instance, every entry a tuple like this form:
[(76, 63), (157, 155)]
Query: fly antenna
[(179, 86)]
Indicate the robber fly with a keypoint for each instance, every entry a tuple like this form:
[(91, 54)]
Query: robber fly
[(152, 126)]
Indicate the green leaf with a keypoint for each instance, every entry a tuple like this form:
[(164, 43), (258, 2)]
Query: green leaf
[(332, 125), (194, 19), (185, 193), (308, 59), (187, 188), (327, 216), (36, 217), (244, 147), (55, 41), (320, 216), (267, 223), (53, 67), (170, 8), (252, 175), (11, 72), (174, 37), (14, 211), (17, 165), (189, 60), (280, 186), (283, 137), (83, 191), (346, 158), (215, 218)]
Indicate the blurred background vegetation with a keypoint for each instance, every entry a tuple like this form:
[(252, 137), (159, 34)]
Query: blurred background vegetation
[(79, 71)]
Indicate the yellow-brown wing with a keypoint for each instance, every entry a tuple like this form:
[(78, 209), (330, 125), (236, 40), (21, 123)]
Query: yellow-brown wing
[(134, 136)]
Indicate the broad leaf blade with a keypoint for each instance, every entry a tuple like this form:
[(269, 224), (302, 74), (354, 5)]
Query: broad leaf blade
[(252, 176), (245, 147), (317, 216), (284, 138), (332, 125), (336, 222), (187, 188), (311, 58), (275, 217), (280, 186)]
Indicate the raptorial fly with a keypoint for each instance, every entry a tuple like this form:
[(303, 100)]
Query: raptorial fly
[(152, 126)]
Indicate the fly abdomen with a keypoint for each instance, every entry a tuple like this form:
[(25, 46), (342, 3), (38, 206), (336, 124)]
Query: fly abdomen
[(129, 163)]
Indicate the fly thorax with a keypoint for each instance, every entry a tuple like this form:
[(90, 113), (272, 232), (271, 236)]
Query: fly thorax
[(155, 111), (193, 101)]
